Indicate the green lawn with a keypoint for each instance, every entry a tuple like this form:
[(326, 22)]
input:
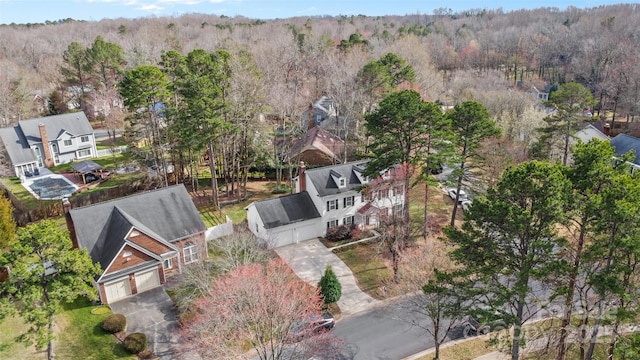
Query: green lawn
[(370, 271), (10, 349), (81, 334)]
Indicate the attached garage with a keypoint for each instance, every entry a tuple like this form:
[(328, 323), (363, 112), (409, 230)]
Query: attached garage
[(284, 220), (117, 290), (147, 280), (293, 234)]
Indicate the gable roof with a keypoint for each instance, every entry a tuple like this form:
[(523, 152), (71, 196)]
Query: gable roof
[(286, 210), (323, 181), (321, 140), (75, 124), (167, 214), (19, 139), (623, 143), (17, 146), (590, 131)]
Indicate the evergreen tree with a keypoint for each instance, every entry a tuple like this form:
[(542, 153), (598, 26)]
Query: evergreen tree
[(330, 288), (46, 273)]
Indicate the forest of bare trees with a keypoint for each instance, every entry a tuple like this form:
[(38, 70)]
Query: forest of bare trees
[(279, 66)]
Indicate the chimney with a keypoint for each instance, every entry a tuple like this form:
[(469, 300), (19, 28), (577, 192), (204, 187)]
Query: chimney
[(606, 129), (66, 206), (48, 159), (302, 177), (311, 123)]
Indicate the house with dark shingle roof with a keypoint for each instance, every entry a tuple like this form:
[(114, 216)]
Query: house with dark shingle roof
[(48, 141), (317, 147), (139, 240), (325, 197), (623, 143)]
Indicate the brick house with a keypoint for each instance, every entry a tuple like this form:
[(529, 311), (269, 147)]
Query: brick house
[(139, 240)]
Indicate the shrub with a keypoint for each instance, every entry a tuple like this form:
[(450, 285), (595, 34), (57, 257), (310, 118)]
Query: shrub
[(135, 343), (114, 323), (330, 287), (339, 233), (101, 310)]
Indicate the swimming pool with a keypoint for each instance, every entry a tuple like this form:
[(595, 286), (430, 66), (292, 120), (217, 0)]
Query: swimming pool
[(51, 187)]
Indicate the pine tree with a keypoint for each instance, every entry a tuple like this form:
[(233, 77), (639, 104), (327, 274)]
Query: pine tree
[(330, 287)]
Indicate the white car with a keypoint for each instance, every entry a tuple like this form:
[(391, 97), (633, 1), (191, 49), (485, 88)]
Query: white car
[(466, 205), (452, 194)]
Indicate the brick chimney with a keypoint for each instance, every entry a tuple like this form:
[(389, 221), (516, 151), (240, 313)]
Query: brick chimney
[(311, 123), (48, 159), (66, 206), (302, 177)]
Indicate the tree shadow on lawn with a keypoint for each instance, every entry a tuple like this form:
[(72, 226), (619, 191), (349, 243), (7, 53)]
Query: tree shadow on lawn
[(81, 333)]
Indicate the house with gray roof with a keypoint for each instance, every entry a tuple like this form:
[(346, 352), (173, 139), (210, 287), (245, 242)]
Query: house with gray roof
[(48, 141), (139, 240), (623, 143), (326, 197)]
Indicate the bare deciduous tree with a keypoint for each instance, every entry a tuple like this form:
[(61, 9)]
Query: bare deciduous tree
[(258, 304)]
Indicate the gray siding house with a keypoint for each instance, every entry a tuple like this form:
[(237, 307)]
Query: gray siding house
[(48, 141)]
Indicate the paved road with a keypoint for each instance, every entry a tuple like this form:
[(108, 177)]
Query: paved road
[(383, 332)]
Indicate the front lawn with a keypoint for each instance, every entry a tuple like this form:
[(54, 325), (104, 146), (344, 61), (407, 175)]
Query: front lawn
[(369, 261), (10, 348), (80, 333), (367, 266)]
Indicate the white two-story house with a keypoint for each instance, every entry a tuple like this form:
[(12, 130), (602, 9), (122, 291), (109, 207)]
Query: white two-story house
[(48, 141), (325, 197)]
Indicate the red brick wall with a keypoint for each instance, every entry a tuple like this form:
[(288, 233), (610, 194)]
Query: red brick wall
[(150, 243), (199, 241), (120, 262)]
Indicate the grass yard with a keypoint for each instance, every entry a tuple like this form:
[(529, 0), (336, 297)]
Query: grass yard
[(10, 348), (256, 190), (466, 350), (80, 333), (370, 271), (367, 260)]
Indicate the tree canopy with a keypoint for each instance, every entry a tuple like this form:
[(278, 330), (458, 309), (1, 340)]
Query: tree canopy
[(46, 273)]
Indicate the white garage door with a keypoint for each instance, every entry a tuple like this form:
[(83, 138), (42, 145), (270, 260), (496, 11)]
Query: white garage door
[(294, 235), (117, 290), (147, 280)]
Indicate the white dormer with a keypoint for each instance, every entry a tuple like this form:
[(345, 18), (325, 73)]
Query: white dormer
[(358, 170), (340, 180)]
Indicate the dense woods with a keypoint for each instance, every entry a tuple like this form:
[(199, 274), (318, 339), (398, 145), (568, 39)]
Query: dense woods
[(209, 93), (272, 70)]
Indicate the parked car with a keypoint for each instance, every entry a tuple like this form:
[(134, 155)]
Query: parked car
[(312, 325), (466, 204), (452, 194), (473, 327), (91, 177)]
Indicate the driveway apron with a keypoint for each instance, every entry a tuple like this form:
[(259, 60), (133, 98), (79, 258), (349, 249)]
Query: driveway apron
[(309, 259), (153, 313)]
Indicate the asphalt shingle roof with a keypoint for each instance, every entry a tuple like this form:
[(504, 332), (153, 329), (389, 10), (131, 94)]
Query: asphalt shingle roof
[(623, 143), (75, 124), (286, 210), (19, 139), (17, 146), (324, 183), (167, 213)]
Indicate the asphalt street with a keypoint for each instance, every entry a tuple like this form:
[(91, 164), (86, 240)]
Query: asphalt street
[(383, 332)]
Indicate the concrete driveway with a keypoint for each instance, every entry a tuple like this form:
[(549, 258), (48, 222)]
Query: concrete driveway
[(308, 259), (153, 313)]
